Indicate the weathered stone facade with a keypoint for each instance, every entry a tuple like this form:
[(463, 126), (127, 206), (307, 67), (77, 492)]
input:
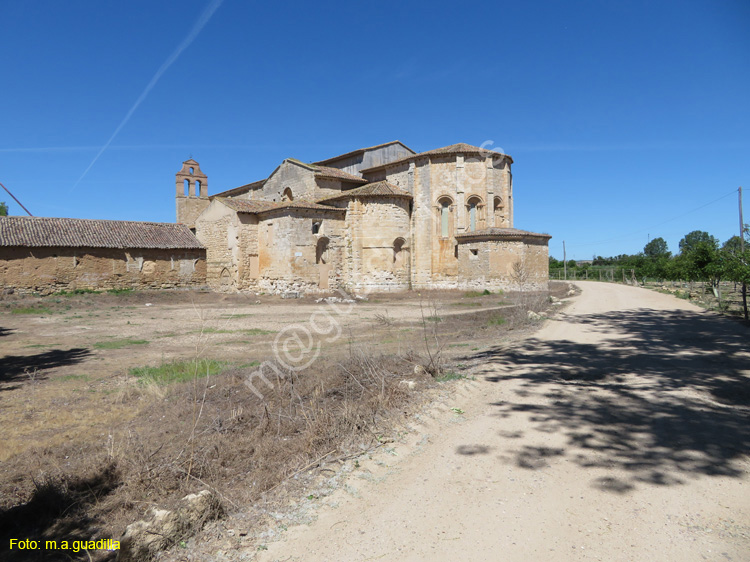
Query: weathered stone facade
[(42, 255), (381, 218)]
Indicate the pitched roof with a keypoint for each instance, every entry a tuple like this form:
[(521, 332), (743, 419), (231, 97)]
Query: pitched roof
[(501, 233), (256, 207), (458, 148), (362, 150), (335, 173), (240, 190), (86, 233), (375, 189)]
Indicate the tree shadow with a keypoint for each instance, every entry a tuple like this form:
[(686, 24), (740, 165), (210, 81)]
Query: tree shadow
[(58, 511), (6, 331), (14, 368), (665, 397)]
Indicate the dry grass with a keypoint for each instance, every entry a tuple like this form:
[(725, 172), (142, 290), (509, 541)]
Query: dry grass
[(146, 445)]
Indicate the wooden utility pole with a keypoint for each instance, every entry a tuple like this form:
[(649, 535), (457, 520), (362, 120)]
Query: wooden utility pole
[(742, 252), (565, 262)]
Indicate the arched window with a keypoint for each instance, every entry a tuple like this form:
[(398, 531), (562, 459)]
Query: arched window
[(445, 205), (473, 206), (287, 195), (197, 188), (321, 250), (499, 211), (316, 227), (186, 188), (192, 170)]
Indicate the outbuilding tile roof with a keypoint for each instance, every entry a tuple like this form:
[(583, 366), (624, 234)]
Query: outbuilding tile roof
[(87, 233), (458, 148), (375, 189)]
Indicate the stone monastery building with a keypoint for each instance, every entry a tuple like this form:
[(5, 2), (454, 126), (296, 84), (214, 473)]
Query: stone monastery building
[(379, 218)]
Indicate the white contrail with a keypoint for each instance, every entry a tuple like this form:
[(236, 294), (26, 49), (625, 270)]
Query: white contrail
[(199, 25)]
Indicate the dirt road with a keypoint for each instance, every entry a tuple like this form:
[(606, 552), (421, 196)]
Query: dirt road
[(618, 432)]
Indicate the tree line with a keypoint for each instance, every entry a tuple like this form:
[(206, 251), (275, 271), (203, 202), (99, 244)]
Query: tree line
[(701, 257)]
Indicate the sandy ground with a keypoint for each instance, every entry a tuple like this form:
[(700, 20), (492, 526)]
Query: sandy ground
[(617, 432)]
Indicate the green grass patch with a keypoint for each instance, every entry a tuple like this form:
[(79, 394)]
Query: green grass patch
[(434, 319), (256, 332), (78, 292), (450, 376), (41, 310), (475, 294), (213, 331), (469, 303), (459, 345), (125, 291), (233, 316), (75, 378), (118, 344), (496, 321), (251, 364), (178, 371)]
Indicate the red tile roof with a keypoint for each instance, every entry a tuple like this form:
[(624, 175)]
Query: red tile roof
[(376, 189), (256, 207), (86, 233), (459, 148), (336, 174), (500, 233)]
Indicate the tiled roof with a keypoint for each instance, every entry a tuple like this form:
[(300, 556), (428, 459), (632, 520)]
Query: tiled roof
[(503, 233), (240, 190), (459, 148), (361, 150), (335, 173), (86, 233), (255, 207), (376, 189)]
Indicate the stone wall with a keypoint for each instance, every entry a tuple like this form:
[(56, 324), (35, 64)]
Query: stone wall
[(295, 258), (48, 270), (231, 241), (520, 264), (378, 243), (290, 174)]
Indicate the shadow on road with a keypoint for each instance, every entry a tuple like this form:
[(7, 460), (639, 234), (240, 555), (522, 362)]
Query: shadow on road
[(666, 396)]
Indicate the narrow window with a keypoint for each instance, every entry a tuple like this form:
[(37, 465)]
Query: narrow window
[(445, 218), (191, 170), (473, 206), (316, 227), (197, 188), (186, 188)]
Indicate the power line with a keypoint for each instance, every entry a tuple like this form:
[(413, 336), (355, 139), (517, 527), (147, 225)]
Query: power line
[(649, 228)]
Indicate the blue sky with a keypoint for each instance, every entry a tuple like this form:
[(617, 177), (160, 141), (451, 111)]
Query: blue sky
[(623, 117)]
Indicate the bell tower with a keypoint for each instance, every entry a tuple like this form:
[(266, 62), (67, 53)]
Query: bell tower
[(192, 193)]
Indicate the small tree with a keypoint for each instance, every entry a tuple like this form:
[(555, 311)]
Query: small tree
[(3, 209)]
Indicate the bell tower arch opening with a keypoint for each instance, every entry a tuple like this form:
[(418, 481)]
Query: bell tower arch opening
[(192, 192)]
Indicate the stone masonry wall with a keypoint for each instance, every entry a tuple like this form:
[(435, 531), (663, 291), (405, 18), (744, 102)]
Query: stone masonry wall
[(378, 243), (492, 264), (49, 269)]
